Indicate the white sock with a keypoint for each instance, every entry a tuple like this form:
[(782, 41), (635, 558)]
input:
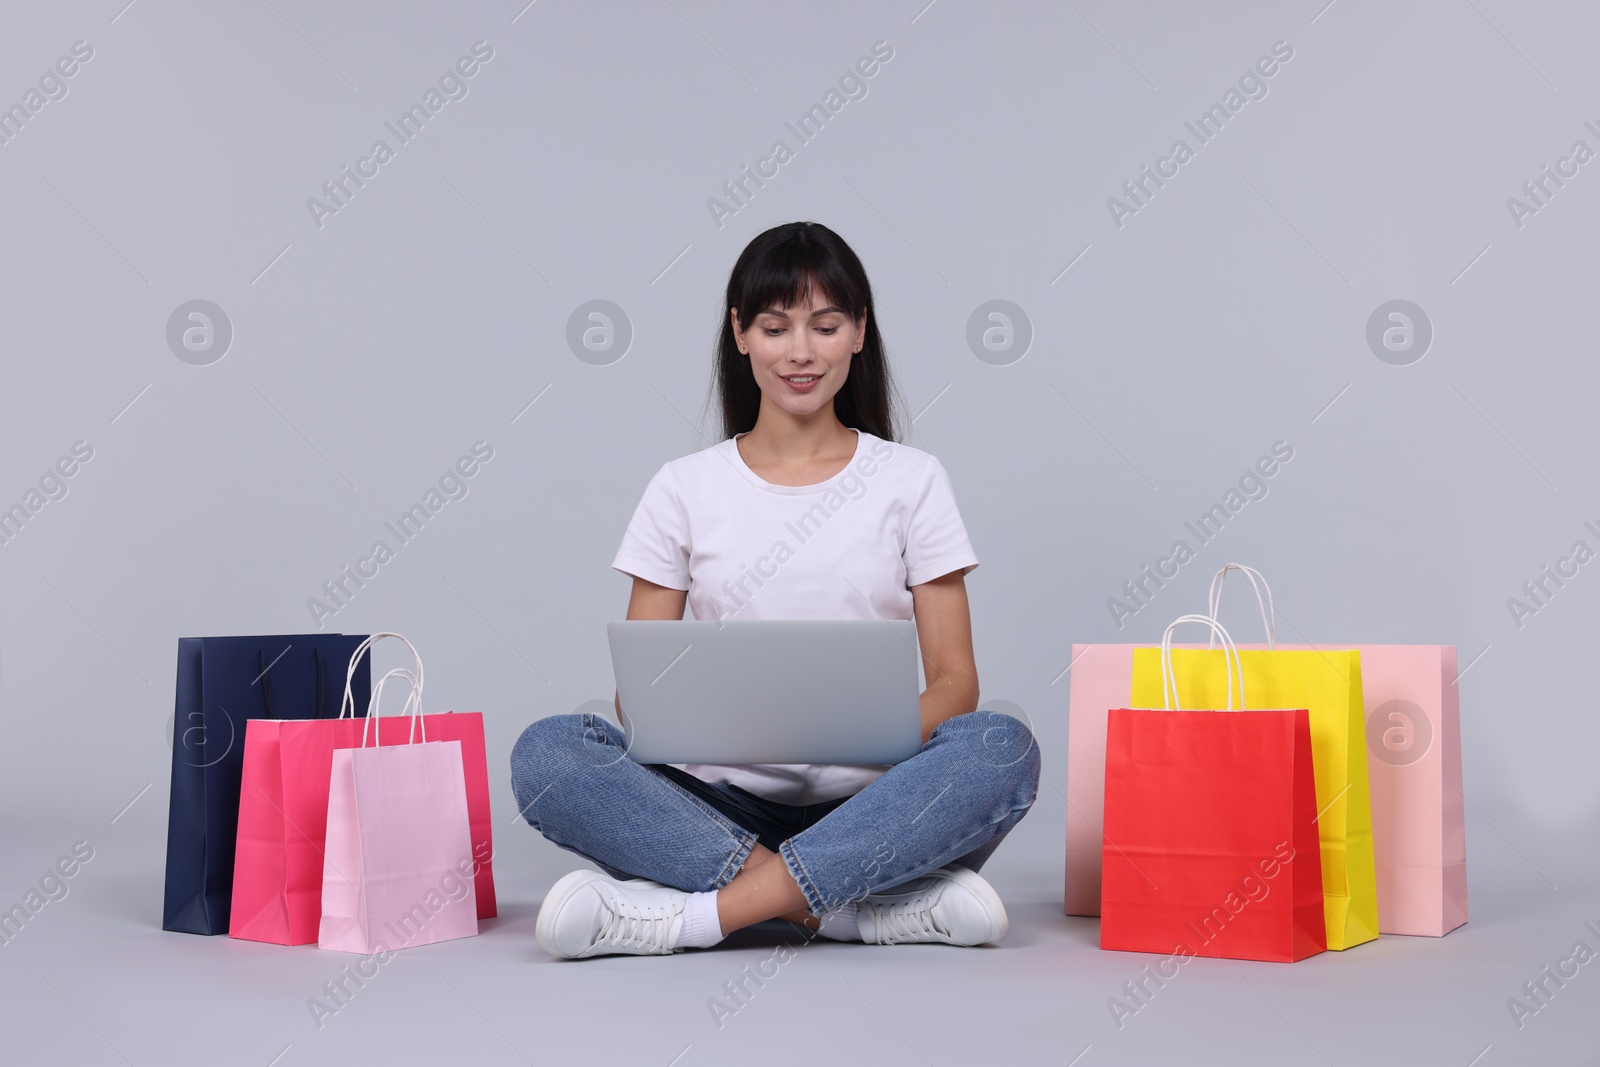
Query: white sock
[(701, 926), (840, 924)]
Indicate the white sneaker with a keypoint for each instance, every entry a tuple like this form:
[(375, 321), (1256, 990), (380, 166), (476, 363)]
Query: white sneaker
[(953, 905), (588, 913)]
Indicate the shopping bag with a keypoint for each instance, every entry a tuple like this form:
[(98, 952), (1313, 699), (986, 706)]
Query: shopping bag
[(397, 867), (283, 812), (1210, 835), (222, 682), (1327, 682), (1101, 677), (1412, 709)]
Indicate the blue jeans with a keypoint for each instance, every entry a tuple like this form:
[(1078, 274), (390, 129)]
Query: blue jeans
[(952, 802)]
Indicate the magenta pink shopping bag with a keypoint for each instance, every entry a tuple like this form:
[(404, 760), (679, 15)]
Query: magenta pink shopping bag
[(283, 813), (398, 863)]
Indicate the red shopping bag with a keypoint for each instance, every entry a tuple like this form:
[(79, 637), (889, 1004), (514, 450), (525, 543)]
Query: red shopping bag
[(283, 814), (1211, 844)]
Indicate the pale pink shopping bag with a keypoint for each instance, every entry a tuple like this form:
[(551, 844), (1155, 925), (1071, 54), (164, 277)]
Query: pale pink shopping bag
[(1413, 728), (398, 863), (1419, 836), (1101, 679)]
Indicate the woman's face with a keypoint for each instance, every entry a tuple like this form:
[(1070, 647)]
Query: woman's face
[(800, 355)]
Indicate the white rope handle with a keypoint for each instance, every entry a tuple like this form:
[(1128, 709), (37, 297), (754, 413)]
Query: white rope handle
[(348, 704), (411, 706), (1269, 613), (1169, 680)]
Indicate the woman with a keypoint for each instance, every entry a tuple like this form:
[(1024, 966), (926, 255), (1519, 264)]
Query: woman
[(809, 509)]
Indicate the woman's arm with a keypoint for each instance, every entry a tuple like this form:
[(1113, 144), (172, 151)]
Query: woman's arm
[(944, 630), (652, 601)]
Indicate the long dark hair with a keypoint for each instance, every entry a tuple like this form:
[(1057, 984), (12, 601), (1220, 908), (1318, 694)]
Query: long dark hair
[(778, 269)]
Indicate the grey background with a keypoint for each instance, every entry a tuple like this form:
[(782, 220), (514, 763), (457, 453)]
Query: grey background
[(1228, 314)]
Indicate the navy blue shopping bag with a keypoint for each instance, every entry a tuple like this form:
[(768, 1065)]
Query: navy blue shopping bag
[(223, 681)]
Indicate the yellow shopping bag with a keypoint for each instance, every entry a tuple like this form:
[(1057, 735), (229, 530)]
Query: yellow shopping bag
[(1328, 684)]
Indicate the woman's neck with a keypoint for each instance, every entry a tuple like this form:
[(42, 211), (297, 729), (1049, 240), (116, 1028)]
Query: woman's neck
[(782, 448), (781, 437)]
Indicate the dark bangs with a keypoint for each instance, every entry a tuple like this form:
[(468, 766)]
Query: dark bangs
[(788, 275)]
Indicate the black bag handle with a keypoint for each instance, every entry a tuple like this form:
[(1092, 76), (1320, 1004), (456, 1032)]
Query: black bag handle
[(322, 687), (264, 679)]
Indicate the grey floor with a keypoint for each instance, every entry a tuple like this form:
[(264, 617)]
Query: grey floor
[(93, 980)]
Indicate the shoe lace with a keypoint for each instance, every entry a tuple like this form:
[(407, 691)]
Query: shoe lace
[(635, 925), (910, 920)]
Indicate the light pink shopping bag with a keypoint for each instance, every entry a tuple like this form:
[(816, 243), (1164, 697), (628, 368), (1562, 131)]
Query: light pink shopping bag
[(1413, 727), (398, 863), (1101, 679), (1419, 837)]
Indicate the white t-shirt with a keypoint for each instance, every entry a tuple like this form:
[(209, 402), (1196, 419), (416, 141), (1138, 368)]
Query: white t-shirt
[(744, 548)]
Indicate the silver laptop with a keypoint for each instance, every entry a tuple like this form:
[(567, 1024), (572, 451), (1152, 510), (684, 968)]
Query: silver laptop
[(768, 690)]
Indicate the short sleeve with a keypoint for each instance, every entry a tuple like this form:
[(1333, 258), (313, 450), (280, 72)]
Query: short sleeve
[(655, 546), (936, 541)]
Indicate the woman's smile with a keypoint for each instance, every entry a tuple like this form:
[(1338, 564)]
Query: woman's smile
[(801, 383)]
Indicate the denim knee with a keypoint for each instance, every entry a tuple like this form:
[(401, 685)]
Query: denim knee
[(539, 754), (559, 746), (1006, 748)]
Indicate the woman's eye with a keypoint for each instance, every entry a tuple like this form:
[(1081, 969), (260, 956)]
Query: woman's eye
[(829, 330), (772, 331)]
